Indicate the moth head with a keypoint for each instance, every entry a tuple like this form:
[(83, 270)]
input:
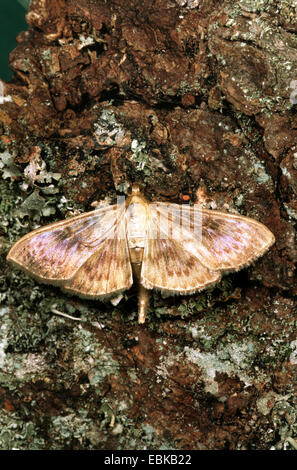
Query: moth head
[(137, 195), (135, 189)]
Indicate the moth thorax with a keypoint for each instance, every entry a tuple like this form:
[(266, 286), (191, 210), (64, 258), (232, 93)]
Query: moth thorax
[(136, 225)]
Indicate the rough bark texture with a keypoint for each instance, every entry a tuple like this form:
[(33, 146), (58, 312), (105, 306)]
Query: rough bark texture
[(196, 99)]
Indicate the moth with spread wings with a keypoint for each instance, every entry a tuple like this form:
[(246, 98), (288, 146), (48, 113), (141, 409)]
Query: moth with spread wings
[(174, 248)]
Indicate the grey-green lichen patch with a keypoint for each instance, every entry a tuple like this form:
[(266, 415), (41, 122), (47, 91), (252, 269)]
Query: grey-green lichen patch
[(233, 359), (4, 338), (281, 410), (143, 436), (37, 204), (107, 130), (286, 9), (21, 335), (293, 355), (30, 365), (268, 400), (25, 361), (8, 169), (206, 335), (284, 418), (262, 41), (36, 171), (193, 307), (19, 212), (17, 434), (97, 362), (141, 157), (74, 426)]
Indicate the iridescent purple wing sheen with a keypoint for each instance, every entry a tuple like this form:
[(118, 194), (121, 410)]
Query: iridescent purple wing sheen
[(107, 271), (221, 241), (55, 252), (230, 242), (168, 263)]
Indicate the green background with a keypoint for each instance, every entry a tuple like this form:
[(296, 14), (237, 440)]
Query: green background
[(12, 22)]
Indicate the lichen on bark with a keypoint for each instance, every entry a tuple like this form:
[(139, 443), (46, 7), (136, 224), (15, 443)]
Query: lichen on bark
[(196, 100)]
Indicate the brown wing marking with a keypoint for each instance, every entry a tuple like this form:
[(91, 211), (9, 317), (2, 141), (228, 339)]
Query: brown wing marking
[(107, 271), (220, 240), (54, 253), (231, 241), (167, 264)]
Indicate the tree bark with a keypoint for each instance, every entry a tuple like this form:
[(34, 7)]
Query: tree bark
[(196, 100)]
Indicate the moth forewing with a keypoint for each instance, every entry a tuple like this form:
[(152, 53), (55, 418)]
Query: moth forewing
[(107, 271), (194, 246), (55, 252), (232, 241), (167, 264)]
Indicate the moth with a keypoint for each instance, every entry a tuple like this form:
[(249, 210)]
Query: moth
[(175, 248)]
